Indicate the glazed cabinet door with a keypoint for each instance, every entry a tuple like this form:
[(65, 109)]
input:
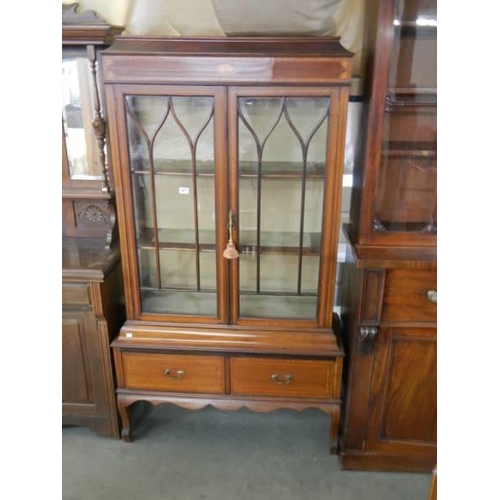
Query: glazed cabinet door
[(403, 401), (284, 147), (242, 236), (173, 181), (406, 194), (400, 178)]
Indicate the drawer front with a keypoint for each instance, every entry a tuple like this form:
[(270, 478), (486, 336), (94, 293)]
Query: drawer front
[(282, 377), (75, 294), (406, 296), (173, 372)]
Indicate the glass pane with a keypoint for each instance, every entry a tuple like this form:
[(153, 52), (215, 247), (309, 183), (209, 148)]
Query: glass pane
[(407, 190), (279, 307), (282, 154), (78, 112), (171, 151), (143, 203), (414, 51), (188, 303), (177, 269)]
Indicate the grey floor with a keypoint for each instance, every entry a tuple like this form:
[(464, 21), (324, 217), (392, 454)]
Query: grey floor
[(212, 455)]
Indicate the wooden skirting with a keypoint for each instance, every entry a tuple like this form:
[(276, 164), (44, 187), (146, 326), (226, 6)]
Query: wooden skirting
[(352, 460)]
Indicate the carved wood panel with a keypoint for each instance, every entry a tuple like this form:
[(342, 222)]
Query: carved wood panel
[(92, 213), (370, 310)]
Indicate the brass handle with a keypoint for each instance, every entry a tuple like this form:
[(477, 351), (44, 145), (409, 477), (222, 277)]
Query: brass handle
[(287, 379), (432, 296), (230, 251), (178, 376)]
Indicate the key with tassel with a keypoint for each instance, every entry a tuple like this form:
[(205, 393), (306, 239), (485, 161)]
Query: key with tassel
[(230, 252)]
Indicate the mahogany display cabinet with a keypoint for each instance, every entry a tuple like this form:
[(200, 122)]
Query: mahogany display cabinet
[(389, 294), (228, 161), (92, 292)]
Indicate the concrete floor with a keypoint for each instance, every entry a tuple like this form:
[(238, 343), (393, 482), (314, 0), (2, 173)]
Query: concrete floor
[(212, 455)]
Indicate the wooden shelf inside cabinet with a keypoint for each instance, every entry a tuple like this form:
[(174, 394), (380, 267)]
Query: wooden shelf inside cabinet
[(416, 29), (281, 170), (408, 100), (273, 242), (175, 167), (410, 150), (80, 193), (413, 91), (176, 239), (278, 170)]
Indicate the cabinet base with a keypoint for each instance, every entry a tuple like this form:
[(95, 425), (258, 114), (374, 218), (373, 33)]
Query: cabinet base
[(370, 461), (101, 426), (260, 405)]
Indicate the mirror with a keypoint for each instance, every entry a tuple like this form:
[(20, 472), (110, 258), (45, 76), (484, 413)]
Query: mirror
[(78, 109)]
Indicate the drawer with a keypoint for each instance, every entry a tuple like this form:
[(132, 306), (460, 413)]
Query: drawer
[(283, 377), (406, 296), (75, 294), (173, 372)]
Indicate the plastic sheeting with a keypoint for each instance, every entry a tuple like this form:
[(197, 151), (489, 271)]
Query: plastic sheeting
[(277, 17), (238, 17)]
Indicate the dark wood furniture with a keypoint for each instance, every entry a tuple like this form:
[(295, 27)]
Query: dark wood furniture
[(87, 194), (92, 313), (228, 161), (92, 289), (433, 487), (389, 299)]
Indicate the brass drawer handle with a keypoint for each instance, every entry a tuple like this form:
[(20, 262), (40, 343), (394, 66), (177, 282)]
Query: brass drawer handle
[(287, 379), (178, 376), (432, 296)]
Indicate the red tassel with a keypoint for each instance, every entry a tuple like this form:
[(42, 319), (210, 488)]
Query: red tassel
[(230, 252)]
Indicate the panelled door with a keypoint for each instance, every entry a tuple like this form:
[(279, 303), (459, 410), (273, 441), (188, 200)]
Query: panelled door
[(403, 415), (202, 168)]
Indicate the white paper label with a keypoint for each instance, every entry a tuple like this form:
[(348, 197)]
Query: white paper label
[(129, 335), (183, 190)]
